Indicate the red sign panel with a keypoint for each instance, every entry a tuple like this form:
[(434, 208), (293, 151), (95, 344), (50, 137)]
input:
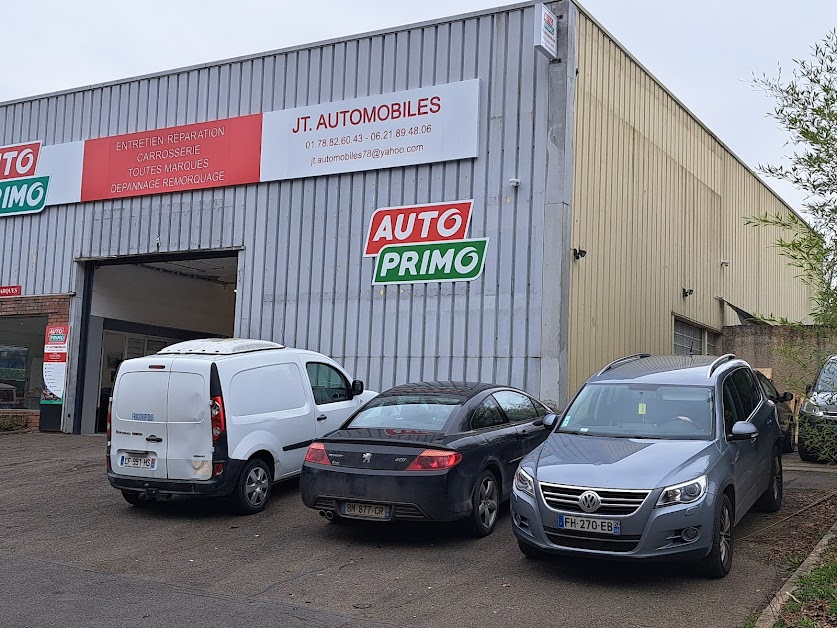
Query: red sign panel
[(191, 157), (438, 222), (10, 291), (20, 160)]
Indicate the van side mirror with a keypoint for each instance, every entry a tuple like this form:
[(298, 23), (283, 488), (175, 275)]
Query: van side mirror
[(549, 421), (742, 430), (809, 389), (357, 388), (787, 397)]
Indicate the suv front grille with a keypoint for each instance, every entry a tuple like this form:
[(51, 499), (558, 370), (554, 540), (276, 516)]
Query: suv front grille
[(576, 539), (614, 501)]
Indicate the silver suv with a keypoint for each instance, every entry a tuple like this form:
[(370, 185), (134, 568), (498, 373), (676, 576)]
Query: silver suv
[(655, 457)]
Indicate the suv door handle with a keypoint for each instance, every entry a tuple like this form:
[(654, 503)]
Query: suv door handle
[(322, 417), (154, 439)]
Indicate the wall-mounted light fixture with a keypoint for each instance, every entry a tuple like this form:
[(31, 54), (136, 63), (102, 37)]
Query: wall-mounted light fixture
[(687, 292), (579, 253), (725, 263), (515, 183)]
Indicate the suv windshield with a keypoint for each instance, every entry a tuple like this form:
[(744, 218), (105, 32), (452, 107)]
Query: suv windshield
[(423, 412), (827, 381), (641, 411)]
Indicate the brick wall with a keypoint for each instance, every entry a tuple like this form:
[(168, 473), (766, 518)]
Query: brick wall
[(793, 353), (57, 310)]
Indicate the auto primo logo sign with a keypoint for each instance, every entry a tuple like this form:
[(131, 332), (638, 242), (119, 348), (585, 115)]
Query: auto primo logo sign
[(423, 243), (20, 191)]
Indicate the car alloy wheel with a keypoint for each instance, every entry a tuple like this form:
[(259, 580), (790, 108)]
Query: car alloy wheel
[(488, 502), (257, 485), (726, 537), (777, 479)]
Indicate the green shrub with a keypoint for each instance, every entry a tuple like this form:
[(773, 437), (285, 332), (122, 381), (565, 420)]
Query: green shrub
[(12, 422)]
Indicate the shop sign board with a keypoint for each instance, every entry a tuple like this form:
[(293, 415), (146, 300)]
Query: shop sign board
[(424, 243), (20, 191), (461, 260), (546, 34), (55, 363), (190, 157), (435, 222), (10, 291), (410, 127), (416, 126)]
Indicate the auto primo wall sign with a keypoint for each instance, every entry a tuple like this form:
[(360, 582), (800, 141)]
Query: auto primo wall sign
[(21, 192), (424, 243)]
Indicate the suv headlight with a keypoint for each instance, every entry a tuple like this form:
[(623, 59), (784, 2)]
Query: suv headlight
[(524, 482), (684, 493), (811, 407)]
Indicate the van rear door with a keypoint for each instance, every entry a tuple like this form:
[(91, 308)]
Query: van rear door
[(189, 454), (139, 418)]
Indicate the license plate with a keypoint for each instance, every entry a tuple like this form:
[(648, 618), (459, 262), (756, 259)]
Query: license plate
[(585, 524), (366, 511), (138, 462)]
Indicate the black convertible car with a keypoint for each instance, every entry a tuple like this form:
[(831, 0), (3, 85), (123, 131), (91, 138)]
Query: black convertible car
[(427, 451)]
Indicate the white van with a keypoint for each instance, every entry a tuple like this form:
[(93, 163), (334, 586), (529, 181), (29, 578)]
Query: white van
[(222, 417)]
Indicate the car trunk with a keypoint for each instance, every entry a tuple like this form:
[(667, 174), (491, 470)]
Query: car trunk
[(379, 449)]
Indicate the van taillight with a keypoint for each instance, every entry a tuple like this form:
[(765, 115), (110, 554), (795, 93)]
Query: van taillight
[(110, 410), (219, 419)]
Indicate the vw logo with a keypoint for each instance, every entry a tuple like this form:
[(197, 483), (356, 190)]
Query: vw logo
[(589, 501), (368, 458)]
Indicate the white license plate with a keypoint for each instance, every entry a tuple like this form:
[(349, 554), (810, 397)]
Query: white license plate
[(138, 462), (586, 524), (365, 511)]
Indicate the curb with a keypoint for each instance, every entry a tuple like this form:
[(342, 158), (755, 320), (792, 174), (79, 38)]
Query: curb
[(770, 615)]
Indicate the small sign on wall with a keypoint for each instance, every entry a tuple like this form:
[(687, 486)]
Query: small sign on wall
[(55, 364), (546, 31), (10, 291)]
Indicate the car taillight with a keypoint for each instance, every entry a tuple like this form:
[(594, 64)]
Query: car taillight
[(434, 460), (219, 419), (316, 454)]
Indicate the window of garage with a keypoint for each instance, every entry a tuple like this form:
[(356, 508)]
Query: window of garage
[(690, 339)]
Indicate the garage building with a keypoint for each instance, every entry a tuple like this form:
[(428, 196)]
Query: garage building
[(503, 196)]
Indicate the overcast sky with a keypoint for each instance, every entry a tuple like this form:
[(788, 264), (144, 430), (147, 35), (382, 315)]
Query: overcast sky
[(705, 52)]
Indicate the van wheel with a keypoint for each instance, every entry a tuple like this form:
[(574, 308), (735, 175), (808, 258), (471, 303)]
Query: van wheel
[(771, 500), (253, 488), (485, 505), (719, 561), (137, 499)]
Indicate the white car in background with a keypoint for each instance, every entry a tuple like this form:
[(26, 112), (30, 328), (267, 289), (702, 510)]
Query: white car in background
[(222, 417)]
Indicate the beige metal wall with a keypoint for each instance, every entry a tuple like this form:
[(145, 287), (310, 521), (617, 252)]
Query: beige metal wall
[(658, 202)]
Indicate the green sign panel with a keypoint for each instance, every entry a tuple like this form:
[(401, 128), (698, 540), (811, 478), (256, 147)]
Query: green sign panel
[(461, 260), (23, 196)]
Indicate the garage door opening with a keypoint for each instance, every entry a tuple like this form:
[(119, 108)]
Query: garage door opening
[(138, 308)]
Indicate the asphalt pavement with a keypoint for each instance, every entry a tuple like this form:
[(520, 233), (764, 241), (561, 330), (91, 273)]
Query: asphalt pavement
[(74, 553)]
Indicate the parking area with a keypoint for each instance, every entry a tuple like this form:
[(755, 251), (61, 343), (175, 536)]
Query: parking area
[(73, 553)]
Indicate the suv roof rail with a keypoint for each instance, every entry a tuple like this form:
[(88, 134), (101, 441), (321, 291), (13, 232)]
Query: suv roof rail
[(627, 358), (717, 363)]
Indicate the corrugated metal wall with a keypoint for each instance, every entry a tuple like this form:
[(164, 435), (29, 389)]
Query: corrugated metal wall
[(302, 278), (658, 203)]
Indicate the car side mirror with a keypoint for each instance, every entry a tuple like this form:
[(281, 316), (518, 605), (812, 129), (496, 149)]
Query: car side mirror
[(787, 397), (549, 421), (809, 389), (743, 430), (357, 388)]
